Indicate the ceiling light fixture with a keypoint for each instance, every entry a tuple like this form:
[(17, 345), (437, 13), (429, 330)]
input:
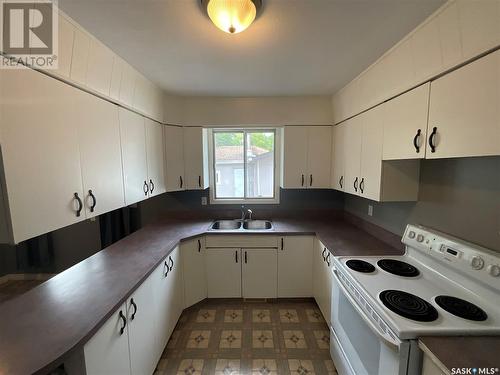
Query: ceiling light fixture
[(232, 16)]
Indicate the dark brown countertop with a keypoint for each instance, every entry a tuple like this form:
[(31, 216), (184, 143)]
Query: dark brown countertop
[(43, 327), (463, 351)]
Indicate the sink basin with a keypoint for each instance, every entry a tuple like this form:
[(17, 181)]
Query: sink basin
[(226, 225), (257, 225)]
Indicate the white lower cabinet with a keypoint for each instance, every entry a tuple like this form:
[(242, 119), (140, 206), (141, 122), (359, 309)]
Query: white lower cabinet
[(107, 352), (322, 279), (295, 256), (223, 266), (193, 267), (259, 273)]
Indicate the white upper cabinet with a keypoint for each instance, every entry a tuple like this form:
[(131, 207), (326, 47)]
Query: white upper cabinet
[(100, 152), (464, 113), (80, 57), (135, 166), (338, 157), (127, 84), (174, 158), (405, 125), (40, 150), (66, 35), (426, 48), (116, 78), (306, 157), (352, 159), (99, 67), (196, 158), (155, 157)]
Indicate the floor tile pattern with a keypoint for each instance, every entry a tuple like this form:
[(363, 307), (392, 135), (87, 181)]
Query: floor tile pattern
[(236, 337)]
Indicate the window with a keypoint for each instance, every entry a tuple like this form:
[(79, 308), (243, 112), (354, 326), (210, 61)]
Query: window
[(244, 166)]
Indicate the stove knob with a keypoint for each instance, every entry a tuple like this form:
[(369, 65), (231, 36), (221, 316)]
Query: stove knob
[(411, 235), (477, 262), (420, 238), (494, 270)]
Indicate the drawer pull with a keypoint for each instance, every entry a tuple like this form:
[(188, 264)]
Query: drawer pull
[(135, 309), (80, 204), (415, 141), (431, 139), (94, 201), (124, 321)]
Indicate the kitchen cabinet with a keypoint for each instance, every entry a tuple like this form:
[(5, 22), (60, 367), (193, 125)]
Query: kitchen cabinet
[(195, 158), (223, 268), (352, 156), (135, 166), (338, 157), (141, 326), (99, 67), (42, 171), (464, 113), (66, 35), (295, 256), (193, 266), (306, 157), (127, 84), (174, 158), (80, 57), (107, 352), (322, 278), (405, 125), (259, 273), (155, 157), (100, 153)]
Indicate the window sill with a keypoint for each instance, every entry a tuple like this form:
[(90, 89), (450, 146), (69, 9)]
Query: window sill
[(244, 201)]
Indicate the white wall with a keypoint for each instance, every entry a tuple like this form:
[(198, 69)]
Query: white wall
[(256, 111)]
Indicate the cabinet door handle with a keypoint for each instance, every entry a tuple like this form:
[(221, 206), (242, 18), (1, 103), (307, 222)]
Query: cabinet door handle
[(236, 256), (311, 180), (356, 184), (328, 259), (199, 181), (94, 201), (431, 139), (303, 180), (199, 246), (415, 141), (323, 254), (145, 188), (341, 181), (151, 186), (80, 204), (246, 257), (124, 321), (135, 308), (166, 265), (171, 263), (362, 185), (181, 182), (282, 243)]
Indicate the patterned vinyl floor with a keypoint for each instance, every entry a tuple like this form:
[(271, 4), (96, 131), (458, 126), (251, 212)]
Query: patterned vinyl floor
[(233, 337)]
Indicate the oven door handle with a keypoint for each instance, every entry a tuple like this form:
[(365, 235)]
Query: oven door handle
[(393, 343)]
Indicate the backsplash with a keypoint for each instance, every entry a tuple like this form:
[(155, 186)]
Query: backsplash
[(457, 196)]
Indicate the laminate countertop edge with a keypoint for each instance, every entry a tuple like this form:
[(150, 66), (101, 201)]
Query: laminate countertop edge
[(37, 336)]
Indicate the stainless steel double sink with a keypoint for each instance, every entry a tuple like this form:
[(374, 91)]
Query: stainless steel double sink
[(240, 225)]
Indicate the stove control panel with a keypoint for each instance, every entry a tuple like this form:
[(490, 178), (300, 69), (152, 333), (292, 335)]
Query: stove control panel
[(476, 261)]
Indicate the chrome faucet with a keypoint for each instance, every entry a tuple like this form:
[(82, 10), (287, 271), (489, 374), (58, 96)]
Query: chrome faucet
[(244, 213)]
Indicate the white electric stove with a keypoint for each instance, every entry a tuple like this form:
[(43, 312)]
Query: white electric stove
[(440, 286)]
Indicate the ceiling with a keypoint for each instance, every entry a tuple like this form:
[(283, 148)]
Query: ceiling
[(295, 47)]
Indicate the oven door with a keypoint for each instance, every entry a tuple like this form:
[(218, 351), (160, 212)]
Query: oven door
[(358, 345)]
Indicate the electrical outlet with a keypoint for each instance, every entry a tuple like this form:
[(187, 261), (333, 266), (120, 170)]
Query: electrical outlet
[(204, 201), (370, 210)]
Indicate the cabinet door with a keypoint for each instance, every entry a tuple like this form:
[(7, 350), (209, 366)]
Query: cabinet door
[(176, 301), (174, 158), (107, 352), (155, 157), (295, 266), (371, 153), (465, 111), (135, 167), (40, 152), (193, 266), (294, 157), (162, 295), (141, 317), (259, 273), (338, 178), (326, 299), (319, 156), (318, 274), (405, 125), (101, 159), (352, 164), (223, 268), (195, 158)]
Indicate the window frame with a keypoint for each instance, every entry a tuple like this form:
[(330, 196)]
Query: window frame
[(276, 170)]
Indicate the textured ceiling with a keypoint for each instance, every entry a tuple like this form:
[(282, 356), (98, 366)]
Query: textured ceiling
[(295, 47)]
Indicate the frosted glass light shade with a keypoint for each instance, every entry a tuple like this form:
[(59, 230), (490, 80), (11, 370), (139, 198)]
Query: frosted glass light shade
[(232, 16)]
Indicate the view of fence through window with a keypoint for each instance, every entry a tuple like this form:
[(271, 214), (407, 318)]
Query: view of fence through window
[(244, 164)]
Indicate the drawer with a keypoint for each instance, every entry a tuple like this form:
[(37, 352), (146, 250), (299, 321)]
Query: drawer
[(240, 241)]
